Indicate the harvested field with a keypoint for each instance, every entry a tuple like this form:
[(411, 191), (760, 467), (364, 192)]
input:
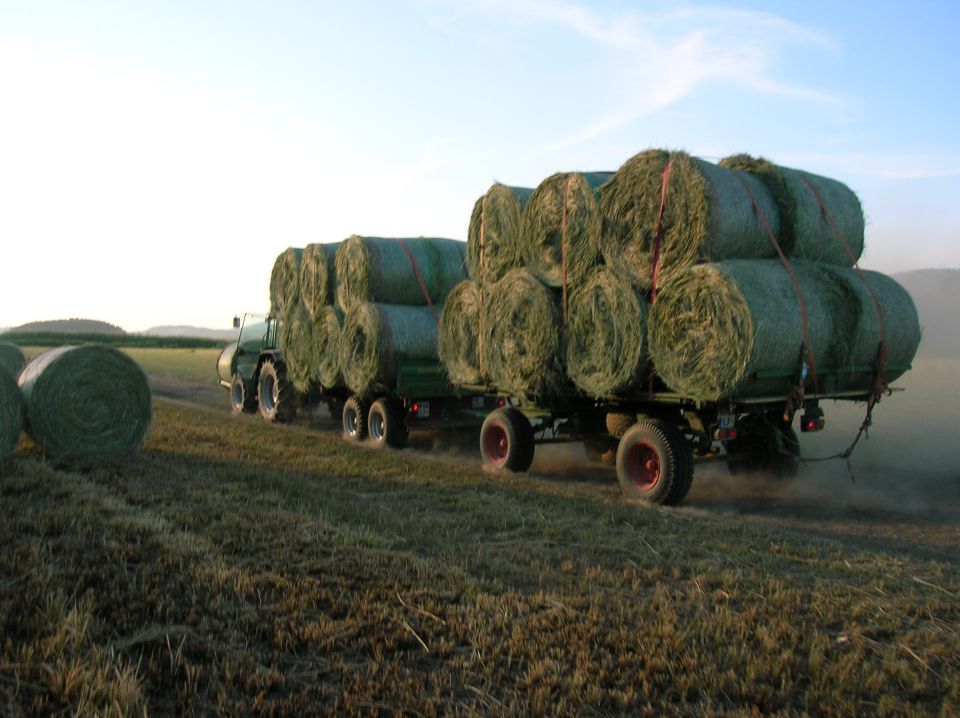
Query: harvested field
[(239, 567)]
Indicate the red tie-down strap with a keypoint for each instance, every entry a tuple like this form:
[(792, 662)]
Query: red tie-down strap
[(416, 273)]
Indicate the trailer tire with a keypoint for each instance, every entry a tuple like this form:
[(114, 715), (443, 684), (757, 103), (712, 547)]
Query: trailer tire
[(354, 418), (243, 397), (652, 464), (385, 424), (617, 423), (275, 394), (601, 450), (506, 440)]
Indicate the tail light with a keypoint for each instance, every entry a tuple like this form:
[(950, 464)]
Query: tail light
[(812, 420)]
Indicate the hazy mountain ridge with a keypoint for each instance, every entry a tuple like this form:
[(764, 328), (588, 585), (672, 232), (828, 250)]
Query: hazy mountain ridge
[(936, 294), (69, 326)]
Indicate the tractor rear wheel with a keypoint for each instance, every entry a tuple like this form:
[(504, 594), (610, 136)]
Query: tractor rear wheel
[(506, 440), (354, 418), (275, 394), (385, 422), (652, 463), (243, 399)]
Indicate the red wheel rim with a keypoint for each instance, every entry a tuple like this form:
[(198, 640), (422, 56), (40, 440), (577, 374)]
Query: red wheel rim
[(496, 444), (643, 466)]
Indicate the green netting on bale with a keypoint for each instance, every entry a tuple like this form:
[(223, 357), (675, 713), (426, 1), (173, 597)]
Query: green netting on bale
[(708, 216), (858, 331), (285, 281), (493, 238), (12, 359), (458, 334), (735, 329), (11, 416), (318, 277), (296, 342), (376, 338), (522, 340), (606, 334), (326, 346), (390, 271), (88, 402), (807, 231), (562, 217)]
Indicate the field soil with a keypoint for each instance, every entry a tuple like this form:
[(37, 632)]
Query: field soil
[(236, 567)]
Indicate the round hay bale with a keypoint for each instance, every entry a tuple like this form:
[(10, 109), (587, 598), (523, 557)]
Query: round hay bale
[(458, 334), (735, 328), (326, 345), (493, 238), (296, 342), (285, 281), (708, 216), (563, 209), (318, 276), (806, 231), (11, 416), (377, 337), (607, 334), (522, 337), (88, 402), (12, 359), (859, 331), (390, 271)]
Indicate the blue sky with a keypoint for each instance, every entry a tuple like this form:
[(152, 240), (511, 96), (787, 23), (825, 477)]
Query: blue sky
[(156, 157)]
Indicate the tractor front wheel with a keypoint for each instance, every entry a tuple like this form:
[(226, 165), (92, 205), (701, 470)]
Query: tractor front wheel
[(243, 400)]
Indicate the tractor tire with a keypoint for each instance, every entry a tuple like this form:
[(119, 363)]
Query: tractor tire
[(386, 425), (686, 463), (651, 463), (506, 440), (243, 399), (617, 423), (354, 418), (277, 399), (601, 450), (763, 447)]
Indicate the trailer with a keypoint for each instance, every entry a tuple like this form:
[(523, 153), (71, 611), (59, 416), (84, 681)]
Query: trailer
[(254, 371)]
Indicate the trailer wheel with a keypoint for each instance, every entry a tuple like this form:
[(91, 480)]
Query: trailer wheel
[(243, 400), (764, 447), (601, 450), (506, 440), (651, 463), (355, 412), (385, 423), (617, 423), (275, 394)]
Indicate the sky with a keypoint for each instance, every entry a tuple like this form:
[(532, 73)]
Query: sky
[(155, 158)]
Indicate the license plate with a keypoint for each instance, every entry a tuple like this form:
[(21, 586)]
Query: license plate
[(423, 410), (726, 421), (478, 402)]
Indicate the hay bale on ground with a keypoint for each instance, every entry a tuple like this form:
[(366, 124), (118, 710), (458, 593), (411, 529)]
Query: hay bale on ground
[(285, 281), (522, 340), (735, 329), (376, 338), (708, 216), (12, 359), (458, 334), (11, 416), (563, 210), (390, 271), (296, 342), (806, 230), (318, 276), (88, 402), (493, 238), (327, 327), (607, 334)]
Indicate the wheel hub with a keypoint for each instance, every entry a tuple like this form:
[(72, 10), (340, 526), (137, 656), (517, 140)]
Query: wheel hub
[(643, 466), (497, 445)]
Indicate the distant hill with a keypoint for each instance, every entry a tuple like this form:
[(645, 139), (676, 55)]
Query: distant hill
[(69, 326), (936, 292), (190, 331)]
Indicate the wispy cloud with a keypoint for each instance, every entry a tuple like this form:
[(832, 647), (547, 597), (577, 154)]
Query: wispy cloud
[(656, 58)]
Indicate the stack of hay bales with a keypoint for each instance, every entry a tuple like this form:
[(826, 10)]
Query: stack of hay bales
[(713, 277), (12, 361), (353, 310)]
